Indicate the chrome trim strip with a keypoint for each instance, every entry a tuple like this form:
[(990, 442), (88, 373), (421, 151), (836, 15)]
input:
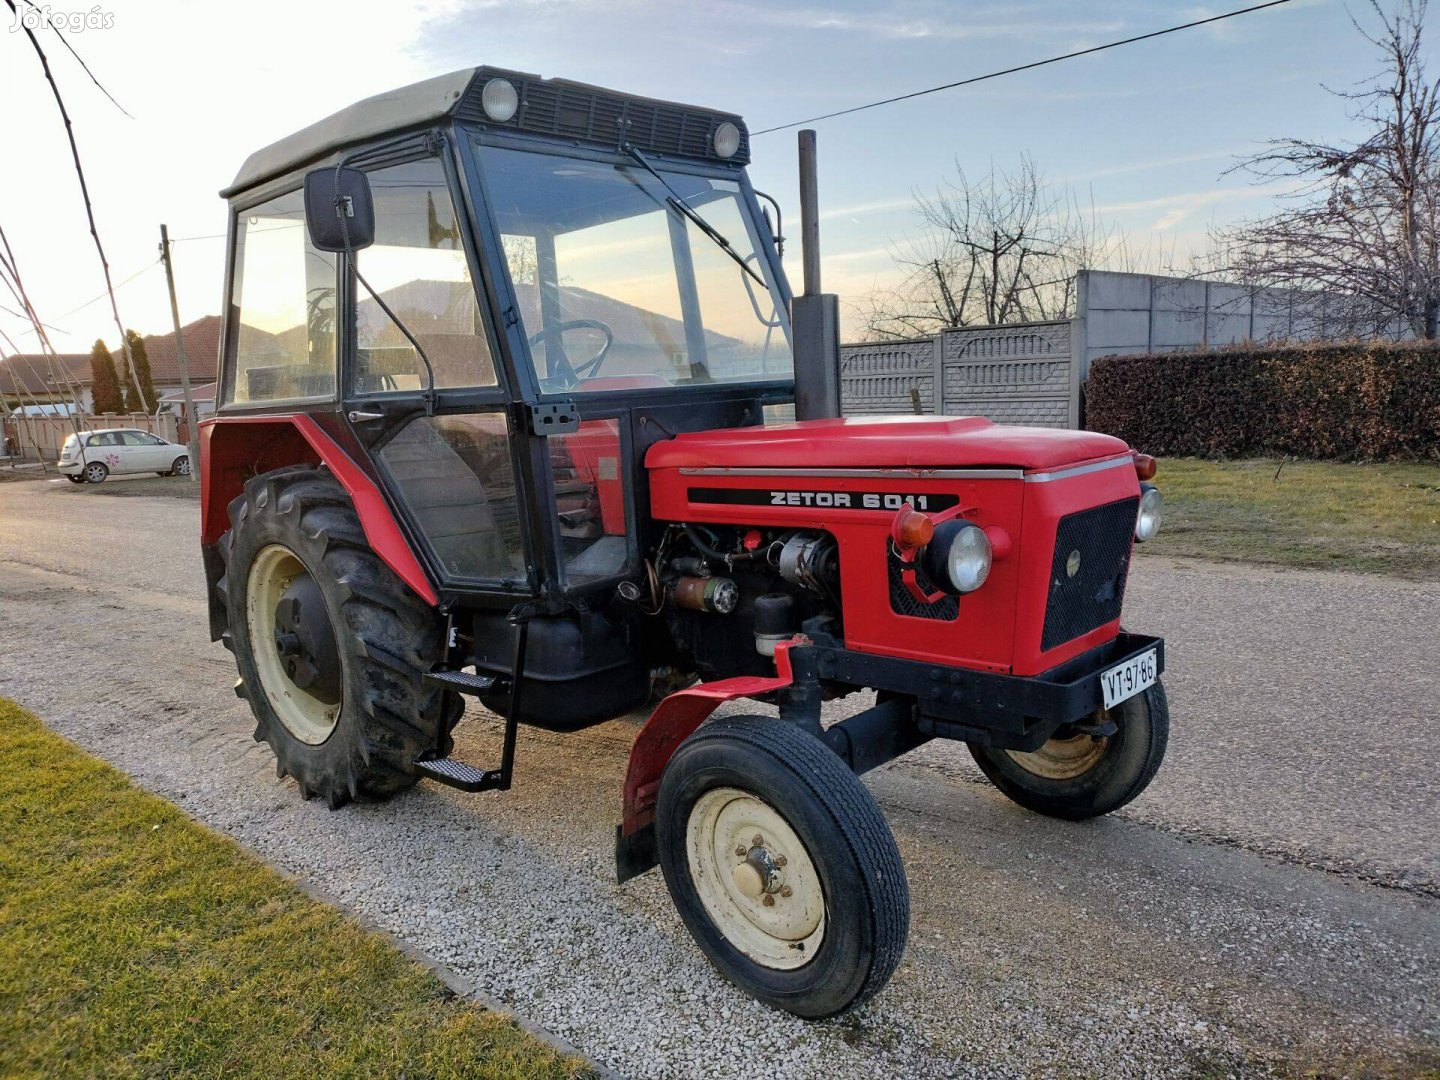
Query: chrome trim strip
[(917, 473), (1078, 470)]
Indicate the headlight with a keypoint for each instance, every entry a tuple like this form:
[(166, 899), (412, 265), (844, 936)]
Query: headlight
[(499, 100), (958, 558), (1147, 521)]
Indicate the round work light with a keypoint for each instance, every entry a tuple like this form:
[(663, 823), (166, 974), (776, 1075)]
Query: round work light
[(727, 139), (500, 100)]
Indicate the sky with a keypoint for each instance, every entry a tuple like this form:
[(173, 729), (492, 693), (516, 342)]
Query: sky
[(1143, 134)]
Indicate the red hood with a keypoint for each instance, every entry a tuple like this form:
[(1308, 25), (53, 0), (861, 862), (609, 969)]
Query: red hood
[(872, 442)]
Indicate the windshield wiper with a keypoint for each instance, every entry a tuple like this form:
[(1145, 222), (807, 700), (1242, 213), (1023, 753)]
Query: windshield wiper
[(688, 212)]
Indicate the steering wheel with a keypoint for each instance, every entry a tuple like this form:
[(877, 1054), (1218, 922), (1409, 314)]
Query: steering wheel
[(588, 368)]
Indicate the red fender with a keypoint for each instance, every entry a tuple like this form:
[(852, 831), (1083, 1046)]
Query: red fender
[(674, 720), (233, 449)]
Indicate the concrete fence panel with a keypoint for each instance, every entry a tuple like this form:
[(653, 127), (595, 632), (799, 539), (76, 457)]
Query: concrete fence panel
[(885, 378)]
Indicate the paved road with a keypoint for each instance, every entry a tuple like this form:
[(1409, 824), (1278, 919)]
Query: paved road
[(1272, 903)]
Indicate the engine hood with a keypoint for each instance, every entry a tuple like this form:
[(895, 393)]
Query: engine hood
[(882, 442)]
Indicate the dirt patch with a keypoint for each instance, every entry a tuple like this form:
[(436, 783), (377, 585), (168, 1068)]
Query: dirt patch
[(12, 473), (170, 487)]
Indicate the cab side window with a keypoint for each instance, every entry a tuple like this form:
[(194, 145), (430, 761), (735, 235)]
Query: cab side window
[(283, 344), (417, 265), (135, 438)]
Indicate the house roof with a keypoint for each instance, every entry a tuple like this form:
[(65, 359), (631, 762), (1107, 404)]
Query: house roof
[(203, 392), (36, 375), (202, 350)]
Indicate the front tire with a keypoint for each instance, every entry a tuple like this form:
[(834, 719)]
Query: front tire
[(782, 866), (181, 466), (331, 646), (1077, 775)]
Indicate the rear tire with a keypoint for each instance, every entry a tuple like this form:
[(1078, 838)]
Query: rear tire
[(300, 520), (1078, 776), (833, 940), (75, 478), (95, 473)]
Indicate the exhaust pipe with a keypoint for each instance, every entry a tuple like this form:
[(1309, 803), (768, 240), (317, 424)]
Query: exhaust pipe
[(814, 315)]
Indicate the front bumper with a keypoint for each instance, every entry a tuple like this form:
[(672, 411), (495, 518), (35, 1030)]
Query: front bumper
[(1013, 712)]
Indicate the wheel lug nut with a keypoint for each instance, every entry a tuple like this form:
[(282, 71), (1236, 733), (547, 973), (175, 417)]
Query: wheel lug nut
[(757, 840), (741, 851), (786, 891), (779, 860), (769, 900)]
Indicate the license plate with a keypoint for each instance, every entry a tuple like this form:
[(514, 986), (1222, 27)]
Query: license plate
[(1126, 680)]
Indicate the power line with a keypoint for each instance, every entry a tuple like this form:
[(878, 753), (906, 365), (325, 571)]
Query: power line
[(1023, 67), (96, 299)]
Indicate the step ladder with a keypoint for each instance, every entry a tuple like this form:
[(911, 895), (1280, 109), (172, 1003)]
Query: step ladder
[(458, 774)]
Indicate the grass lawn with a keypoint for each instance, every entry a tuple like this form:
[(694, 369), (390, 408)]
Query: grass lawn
[(137, 943), (1381, 519)]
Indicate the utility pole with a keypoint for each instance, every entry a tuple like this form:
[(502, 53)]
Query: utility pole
[(192, 439)]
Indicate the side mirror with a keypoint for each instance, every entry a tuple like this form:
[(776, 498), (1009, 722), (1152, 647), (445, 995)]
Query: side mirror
[(331, 194)]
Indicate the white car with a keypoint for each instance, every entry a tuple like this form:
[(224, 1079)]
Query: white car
[(93, 455)]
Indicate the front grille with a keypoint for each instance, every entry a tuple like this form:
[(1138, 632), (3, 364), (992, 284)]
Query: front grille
[(903, 602), (1093, 596), (591, 114)]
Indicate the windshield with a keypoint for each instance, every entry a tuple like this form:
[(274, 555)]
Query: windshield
[(618, 290)]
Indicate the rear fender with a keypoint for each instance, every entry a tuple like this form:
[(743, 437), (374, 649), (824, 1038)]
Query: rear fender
[(232, 450), (672, 722)]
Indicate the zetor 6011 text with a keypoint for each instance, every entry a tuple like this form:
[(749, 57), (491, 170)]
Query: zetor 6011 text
[(510, 372)]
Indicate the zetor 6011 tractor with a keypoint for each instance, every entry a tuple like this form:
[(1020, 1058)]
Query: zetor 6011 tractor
[(506, 371)]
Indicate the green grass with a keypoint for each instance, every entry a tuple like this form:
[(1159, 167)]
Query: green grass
[(137, 943), (1382, 518)]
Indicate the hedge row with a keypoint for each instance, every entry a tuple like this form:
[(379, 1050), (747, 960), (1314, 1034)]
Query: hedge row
[(1339, 400)]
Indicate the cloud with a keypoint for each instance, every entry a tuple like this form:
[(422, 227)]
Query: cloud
[(1180, 206), (867, 209), (945, 24)]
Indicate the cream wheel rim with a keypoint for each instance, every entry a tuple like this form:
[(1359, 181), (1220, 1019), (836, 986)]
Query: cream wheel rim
[(755, 878), (1063, 759), (305, 716)]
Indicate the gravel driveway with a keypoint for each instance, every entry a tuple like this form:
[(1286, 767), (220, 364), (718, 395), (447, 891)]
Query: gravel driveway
[(1272, 903)]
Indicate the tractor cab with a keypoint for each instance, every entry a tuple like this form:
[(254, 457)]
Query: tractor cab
[(517, 407), (547, 277)]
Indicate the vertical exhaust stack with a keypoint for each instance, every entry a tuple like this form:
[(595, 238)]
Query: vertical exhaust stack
[(814, 315)]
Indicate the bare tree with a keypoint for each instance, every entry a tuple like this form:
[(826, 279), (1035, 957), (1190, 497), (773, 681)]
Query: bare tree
[(1359, 243), (1002, 249)]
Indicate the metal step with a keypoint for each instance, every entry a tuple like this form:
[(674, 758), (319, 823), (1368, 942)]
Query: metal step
[(457, 774), (463, 682)]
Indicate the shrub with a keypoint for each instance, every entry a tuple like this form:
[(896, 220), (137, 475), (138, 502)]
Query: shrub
[(1373, 400)]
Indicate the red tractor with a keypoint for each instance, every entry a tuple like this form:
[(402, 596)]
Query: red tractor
[(507, 371)]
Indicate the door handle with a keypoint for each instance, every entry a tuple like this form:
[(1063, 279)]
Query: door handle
[(357, 417)]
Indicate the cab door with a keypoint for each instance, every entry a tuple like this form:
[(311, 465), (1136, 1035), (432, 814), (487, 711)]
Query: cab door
[(437, 424)]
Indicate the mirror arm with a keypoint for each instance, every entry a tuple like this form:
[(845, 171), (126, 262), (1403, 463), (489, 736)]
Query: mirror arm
[(777, 233)]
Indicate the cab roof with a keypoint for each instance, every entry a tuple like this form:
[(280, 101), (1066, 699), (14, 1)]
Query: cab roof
[(557, 107)]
